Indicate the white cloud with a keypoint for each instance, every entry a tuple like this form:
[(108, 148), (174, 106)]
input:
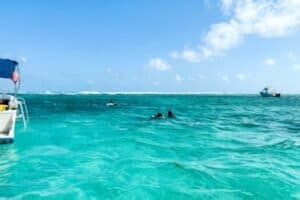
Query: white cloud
[(269, 61), (158, 64), (178, 78), (187, 54), (241, 76), (190, 55), (227, 5), (296, 67), (223, 36), (206, 53), (263, 18)]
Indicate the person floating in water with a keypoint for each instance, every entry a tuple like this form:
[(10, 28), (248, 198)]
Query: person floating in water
[(111, 103), (170, 114), (158, 116)]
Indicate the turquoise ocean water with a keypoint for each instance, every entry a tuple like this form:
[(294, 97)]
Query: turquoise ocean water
[(218, 147)]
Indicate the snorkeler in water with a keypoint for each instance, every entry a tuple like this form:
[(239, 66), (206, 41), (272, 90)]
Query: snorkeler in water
[(111, 103), (170, 114), (158, 116)]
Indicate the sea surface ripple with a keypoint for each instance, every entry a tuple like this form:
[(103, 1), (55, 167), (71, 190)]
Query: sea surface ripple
[(217, 147)]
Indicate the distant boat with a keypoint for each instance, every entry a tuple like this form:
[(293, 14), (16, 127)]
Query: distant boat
[(111, 103), (11, 107), (269, 92)]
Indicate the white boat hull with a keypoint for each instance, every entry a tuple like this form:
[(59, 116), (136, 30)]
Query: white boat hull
[(7, 125)]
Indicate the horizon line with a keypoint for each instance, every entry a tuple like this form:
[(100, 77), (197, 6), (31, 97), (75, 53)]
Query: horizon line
[(144, 92)]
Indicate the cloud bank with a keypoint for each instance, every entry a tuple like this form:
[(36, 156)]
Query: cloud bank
[(158, 64), (263, 18)]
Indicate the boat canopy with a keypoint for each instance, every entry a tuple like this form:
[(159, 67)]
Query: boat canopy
[(9, 70)]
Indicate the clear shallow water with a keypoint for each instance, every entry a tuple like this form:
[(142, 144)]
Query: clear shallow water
[(218, 147)]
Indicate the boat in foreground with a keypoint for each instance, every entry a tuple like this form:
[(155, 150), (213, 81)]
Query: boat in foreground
[(11, 107), (269, 92)]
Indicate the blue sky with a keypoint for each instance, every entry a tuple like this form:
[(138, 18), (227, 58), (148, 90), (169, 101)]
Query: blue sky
[(234, 46)]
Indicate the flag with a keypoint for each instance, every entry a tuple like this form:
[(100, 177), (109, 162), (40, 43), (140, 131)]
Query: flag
[(15, 76)]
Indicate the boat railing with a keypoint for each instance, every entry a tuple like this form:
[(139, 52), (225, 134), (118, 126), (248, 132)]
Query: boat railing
[(23, 111)]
